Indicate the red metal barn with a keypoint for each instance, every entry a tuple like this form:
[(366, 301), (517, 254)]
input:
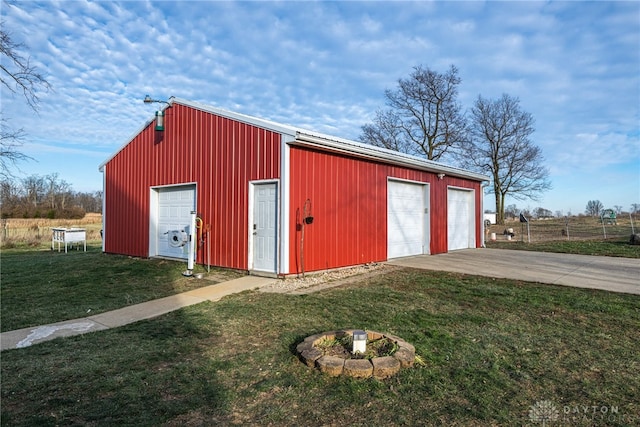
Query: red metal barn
[(272, 198)]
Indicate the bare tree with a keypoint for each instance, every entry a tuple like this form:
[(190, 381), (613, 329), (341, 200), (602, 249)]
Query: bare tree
[(542, 213), (594, 207), (635, 208), (511, 211), (34, 188), (500, 147), (18, 75), (423, 118), (10, 154), (51, 182), (10, 196)]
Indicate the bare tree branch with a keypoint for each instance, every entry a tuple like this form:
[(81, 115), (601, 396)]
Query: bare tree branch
[(423, 118), (18, 75), (10, 155)]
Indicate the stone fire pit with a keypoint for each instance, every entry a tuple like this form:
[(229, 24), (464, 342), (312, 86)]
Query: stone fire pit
[(315, 353)]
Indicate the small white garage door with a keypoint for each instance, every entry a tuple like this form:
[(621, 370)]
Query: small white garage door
[(175, 205), (407, 220), (460, 223)]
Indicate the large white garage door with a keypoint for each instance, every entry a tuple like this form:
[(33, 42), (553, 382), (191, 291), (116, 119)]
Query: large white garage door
[(173, 220), (460, 223), (407, 222)]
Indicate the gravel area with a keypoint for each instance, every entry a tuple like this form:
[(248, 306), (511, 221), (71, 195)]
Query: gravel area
[(313, 282)]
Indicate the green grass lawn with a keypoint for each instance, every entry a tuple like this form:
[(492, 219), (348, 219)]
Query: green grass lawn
[(41, 286), (492, 350)]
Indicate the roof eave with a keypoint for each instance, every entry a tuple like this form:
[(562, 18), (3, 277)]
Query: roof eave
[(370, 152)]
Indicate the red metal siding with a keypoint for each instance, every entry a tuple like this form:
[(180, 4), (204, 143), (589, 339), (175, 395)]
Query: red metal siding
[(345, 197), (220, 155), (349, 204)]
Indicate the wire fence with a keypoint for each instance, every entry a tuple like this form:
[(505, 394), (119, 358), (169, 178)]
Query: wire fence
[(34, 231), (568, 228)]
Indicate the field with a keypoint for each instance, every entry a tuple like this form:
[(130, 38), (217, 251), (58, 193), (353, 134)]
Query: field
[(566, 229), (33, 232)]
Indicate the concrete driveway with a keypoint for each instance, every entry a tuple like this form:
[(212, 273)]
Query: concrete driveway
[(583, 271)]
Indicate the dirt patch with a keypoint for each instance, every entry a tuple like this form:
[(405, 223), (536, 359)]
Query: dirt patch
[(341, 347)]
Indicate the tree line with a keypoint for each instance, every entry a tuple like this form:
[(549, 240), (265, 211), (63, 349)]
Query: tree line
[(47, 196), (593, 208)]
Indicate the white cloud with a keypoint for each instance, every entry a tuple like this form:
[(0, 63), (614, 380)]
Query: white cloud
[(325, 66)]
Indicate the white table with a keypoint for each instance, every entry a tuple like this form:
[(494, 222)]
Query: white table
[(68, 236)]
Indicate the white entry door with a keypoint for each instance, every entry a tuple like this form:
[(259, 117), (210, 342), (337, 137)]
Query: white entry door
[(173, 220), (265, 227), (460, 223), (407, 219)]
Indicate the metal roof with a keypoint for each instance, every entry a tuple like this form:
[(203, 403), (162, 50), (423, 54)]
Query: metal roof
[(308, 138)]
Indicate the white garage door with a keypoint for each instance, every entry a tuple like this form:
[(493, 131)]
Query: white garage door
[(460, 223), (173, 218), (407, 222)]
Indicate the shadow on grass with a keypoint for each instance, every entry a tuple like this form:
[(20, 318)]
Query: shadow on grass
[(148, 373), (492, 348), (40, 286)]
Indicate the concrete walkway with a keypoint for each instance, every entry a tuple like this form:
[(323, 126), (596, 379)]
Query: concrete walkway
[(28, 336), (582, 271)]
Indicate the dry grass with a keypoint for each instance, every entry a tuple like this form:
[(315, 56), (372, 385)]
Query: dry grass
[(36, 231), (573, 228)]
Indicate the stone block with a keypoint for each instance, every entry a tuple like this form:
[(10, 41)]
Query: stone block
[(330, 365), (405, 357), (358, 368), (385, 367), (310, 355), (372, 335), (406, 345), (304, 345), (312, 338), (327, 336)]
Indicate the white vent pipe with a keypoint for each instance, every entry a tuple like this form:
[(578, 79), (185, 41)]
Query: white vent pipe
[(192, 243)]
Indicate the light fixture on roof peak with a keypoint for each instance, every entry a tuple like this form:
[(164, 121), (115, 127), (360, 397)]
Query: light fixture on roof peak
[(159, 113)]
